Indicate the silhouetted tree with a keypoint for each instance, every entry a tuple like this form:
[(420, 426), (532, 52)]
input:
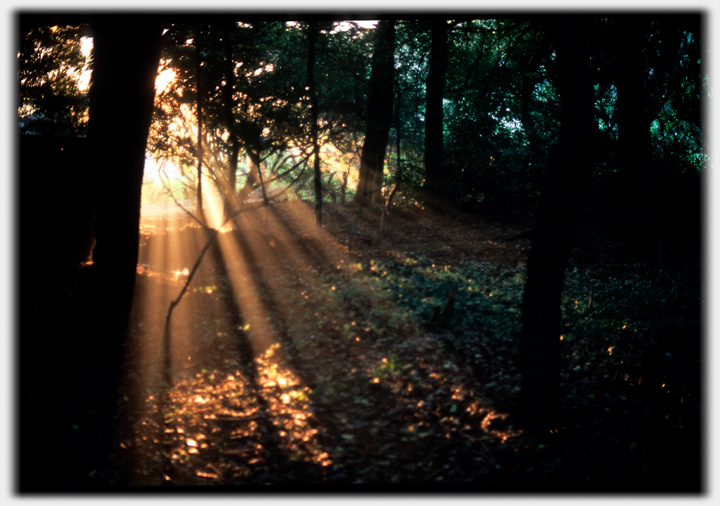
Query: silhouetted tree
[(569, 171), (51, 62), (126, 55), (229, 104), (314, 134), (435, 186), (379, 116), (199, 116)]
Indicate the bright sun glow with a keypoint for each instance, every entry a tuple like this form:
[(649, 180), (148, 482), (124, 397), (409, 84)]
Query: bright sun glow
[(163, 80), (218, 332), (86, 45)]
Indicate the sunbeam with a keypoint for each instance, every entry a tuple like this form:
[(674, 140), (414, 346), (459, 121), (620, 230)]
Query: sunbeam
[(278, 333)]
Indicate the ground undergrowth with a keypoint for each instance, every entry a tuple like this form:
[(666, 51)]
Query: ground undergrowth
[(297, 361), (397, 363)]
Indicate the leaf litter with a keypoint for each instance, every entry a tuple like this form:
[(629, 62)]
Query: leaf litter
[(362, 386)]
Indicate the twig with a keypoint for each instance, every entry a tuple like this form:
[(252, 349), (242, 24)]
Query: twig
[(203, 225), (213, 233), (166, 364), (488, 349)]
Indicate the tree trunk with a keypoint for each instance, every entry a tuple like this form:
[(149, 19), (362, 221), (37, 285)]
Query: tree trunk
[(633, 124), (126, 55), (198, 70), (343, 187), (312, 36), (527, 85), (569, 171), (252, 177), (89, 358), (632, 114), (435, 187), (398, 168), (379, 117), (230, 195)]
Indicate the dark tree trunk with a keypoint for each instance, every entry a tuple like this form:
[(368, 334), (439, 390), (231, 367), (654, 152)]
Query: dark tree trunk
[(527, 86), (569, 171), (343, 187), (198, 70), (230, 195), (398, 167), (632, 112), (253, 176), (435, 176), (89, 357), (635, 189), (126, 56), (379, 117), (312, 36)]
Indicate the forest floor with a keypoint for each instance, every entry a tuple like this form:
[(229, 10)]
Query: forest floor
[(296, 360)]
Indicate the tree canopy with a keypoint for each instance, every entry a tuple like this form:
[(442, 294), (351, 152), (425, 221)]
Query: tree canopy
[(500, 104)]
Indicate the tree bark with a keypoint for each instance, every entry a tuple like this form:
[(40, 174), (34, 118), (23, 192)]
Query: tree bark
[(569, 172), (527, 86), (379, 117), (126, 55), (230, 194), (252, 177), (312, 36), (435, 186), (632, 112), (198, 70), (633, 123)]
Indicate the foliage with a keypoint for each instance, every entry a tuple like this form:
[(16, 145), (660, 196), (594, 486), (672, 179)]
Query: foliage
[(501, 105), (502, 115), (51, 62), (363, 357)]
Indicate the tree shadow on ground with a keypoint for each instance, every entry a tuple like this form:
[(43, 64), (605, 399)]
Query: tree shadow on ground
[(343, 386)]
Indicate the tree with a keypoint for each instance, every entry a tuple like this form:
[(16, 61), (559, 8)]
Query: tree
[(435, 176), (569, 172), (121, 100), (199, 115), (312, 36), (649, 91), (379, 116), (229, 104), (253, 103), (51, 63), (501, 113)]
